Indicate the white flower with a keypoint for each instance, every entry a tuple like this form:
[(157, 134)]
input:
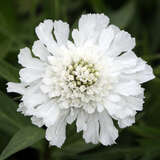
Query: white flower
[(92, 80)]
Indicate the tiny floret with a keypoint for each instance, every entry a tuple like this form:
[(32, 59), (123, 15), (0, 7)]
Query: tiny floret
[(91, 80)]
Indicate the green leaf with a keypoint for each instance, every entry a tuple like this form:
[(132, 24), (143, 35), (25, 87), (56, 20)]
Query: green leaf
[(157, 71), (10, 122), (155, 25), (4, 139), (10, 119), (42, 147), (4, 47), (98, 6), (78, 146), (147, 143), (57, 9), (8, 72), (8, 16), (24, 138), (27, 6), (146, 131), (113, 153), (123, 16)]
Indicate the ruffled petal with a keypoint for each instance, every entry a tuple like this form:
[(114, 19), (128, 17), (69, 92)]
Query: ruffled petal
[(106, 37), (33, 97), (26, 60), (130, 88), (108, 132), (37, 121), (115, 29), (126, 61), (81, 122), (48, 112), (122, 42), (21, 108), (119, 110), (126, 122), (16, 87), (92, 22), (141, 76), (72, 116), (61, 32), (56, 134), (135, 103), (90, 27), (28, 75), (133, 68), (142, 72), (91, 134), (40, 50), (44, 33)]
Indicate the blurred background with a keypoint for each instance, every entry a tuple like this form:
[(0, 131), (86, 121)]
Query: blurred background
[(19, 139)]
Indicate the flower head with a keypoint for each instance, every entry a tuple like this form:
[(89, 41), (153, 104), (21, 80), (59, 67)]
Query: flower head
[(92, 80)]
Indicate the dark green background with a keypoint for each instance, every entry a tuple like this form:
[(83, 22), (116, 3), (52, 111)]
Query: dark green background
[(19, 139)]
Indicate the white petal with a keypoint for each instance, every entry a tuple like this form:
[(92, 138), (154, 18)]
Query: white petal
[(93, 22), (89, 108), (56, 134), (126, 122), (29, 75), (22, 108), (44, 33), (81, 121), (46, 88), (145, 75), (37, 121), (135, 103), (91, 134), (133, 68), (72, 116), (140, 66), (16, 87), (90, 26), (114, 98), (142, 72), (140, 77), (106, 38), (126, 60), (114, 28), (129, 88), (108, 132), (33, 97), (49, 112), (26, 60), (120, 110), (77, 37), (122, 42), (100, 107), (40, 50), (61, 31), (47, 81)]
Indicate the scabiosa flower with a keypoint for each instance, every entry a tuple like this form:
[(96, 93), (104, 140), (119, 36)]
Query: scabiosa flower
[(92, 80)]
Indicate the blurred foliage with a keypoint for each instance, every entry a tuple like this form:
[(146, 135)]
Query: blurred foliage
[(19, 139)]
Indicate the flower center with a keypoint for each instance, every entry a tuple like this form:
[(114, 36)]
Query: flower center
[(81, 74)]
